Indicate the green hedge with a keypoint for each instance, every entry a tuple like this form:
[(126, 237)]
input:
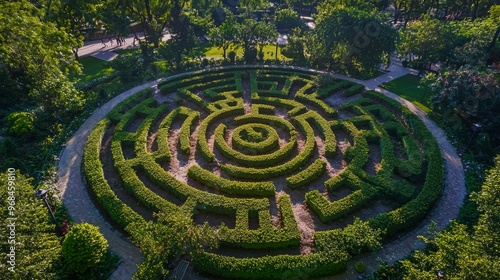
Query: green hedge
[(308, 175), (271, 267), (311, 99), (355, 89), (253, 160), (92, 166), (330, 143), (326, 91), (172, 85), (116, 114), (266, 236), (230, 186), (278, 170), (206, 201), (185, 131), (202, 132), (270, 143), (294, 107)]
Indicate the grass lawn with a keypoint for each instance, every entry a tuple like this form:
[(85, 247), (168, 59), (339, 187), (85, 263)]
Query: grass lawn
[(93, 68), (407, 87), (269, 52)]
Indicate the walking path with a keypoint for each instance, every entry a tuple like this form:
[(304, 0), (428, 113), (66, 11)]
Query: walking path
[(81, 208), (106, 52)]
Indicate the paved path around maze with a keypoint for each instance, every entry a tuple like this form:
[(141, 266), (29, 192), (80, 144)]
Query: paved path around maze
[(80, 207)]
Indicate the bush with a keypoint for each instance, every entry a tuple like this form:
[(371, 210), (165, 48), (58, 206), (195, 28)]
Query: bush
[(355, 89), (21, 124), (287, 19), (231, 186), (308, 175), (360, 267), (83, 248), (128, 66)]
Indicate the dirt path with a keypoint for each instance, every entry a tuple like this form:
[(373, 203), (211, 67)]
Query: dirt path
[(247, 95)]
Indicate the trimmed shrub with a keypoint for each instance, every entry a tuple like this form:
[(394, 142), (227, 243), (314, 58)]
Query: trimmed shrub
[(355, 89), (83, 248), (308, 175), (252, 160), (229, 186)]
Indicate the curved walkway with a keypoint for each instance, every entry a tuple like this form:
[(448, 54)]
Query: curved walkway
[(75, 197)]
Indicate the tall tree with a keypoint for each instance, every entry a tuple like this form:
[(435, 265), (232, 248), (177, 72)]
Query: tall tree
[(74, 16), (39, 55), (153, 15), (468, 96), (225, 34), (430, 40), (251, 33), (352, 40)]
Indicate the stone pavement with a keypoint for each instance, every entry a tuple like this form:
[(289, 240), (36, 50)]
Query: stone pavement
[(80, 207), (76, 198)]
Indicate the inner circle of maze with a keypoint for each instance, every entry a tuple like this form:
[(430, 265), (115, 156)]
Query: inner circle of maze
[(278, 160)]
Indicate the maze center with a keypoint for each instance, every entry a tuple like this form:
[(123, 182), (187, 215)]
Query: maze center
[(282, 163)]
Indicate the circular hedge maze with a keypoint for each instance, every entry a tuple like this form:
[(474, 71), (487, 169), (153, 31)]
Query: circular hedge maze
[(298, 171)]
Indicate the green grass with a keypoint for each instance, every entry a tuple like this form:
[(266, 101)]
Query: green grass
[(93, 68), (217, 53), (407, 87)]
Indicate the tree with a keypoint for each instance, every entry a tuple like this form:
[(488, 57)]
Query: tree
[(35, 247), (467, 96), (39, 56), (288, 19), (461, 254), (224, 35), (430, 40), (74, 16), (351, 40), (183, 42), (152, 14), (251, 33), (83, 248), (294, 47), (476, 50), (172, 235)]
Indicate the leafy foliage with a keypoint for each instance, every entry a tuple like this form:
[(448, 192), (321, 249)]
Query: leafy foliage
[(353, 40), (37, 249), (21, 123), (467, 95), (38, 55), (173, 234), (83, 248)]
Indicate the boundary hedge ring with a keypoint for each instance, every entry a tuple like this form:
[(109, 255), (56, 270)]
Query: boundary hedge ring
[(377, 120)]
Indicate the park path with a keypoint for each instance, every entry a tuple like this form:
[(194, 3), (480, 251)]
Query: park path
[(106, 52), (76, 198)]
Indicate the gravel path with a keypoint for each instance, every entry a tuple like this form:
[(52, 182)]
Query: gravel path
[(81, 208)]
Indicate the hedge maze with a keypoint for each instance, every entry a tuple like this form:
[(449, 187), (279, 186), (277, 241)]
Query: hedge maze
[(265, 156)]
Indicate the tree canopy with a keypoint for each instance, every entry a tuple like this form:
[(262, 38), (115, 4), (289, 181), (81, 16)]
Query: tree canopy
[(457, 252), (36, 59), (352, 40)]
